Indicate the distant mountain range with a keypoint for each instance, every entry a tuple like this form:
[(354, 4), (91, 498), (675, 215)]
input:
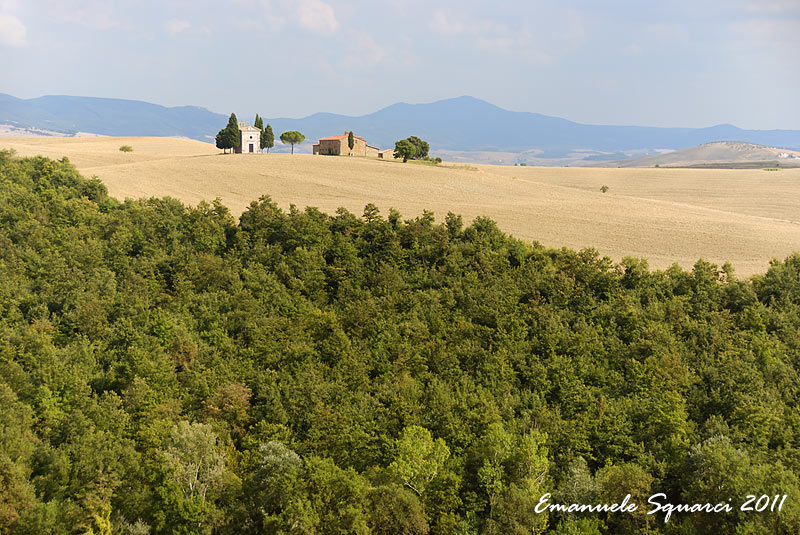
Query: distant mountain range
[(457, 124), (109, 117)]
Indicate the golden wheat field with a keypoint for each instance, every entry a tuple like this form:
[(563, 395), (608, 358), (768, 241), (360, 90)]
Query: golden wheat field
[(746, 217)]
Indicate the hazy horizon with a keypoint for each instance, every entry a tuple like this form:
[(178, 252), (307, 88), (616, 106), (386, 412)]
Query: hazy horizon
[(679, 63)]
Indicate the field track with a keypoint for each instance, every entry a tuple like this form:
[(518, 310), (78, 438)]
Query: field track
[(665, 215)]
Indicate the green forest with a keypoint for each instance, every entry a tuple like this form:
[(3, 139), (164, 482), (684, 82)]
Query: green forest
[(167, 369)]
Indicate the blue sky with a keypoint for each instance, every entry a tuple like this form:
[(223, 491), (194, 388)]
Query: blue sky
[(668, 63)]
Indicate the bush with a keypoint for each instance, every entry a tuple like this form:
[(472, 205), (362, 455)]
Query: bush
[(604, 188), (126, 148)]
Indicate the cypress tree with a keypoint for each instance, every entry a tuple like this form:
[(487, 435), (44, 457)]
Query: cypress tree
[(268, 138), (233, 134), (351, 142), (259, 123), (221, 140)]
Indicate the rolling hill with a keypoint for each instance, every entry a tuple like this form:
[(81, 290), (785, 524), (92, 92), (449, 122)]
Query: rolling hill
[(746, 217), (733, 154), (457, 124)]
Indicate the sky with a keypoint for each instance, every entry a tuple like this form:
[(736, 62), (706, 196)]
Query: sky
[(670, 63)]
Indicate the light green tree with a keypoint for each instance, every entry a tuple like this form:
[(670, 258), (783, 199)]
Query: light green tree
[(514, 474), (419, 458), (193, 454)]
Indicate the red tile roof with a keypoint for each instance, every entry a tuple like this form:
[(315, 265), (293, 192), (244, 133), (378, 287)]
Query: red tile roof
[(343, 136)]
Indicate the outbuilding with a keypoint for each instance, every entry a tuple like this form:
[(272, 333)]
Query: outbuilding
[(338, 146)]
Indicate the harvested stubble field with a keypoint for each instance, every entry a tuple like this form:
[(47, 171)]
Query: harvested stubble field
[(746, 217)]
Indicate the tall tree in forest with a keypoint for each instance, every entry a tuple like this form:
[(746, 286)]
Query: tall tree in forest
[(419, 458)]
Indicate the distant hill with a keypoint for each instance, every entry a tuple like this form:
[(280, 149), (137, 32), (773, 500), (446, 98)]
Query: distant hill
[(109, 117), (457, 124), (469, 124), (718, 154)]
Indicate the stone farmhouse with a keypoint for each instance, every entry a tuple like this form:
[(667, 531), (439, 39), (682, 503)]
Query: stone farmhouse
[(337, 146), (251, 137)]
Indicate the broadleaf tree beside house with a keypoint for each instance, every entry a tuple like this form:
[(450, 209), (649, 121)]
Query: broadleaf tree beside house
[(422, 147), (404, 149)]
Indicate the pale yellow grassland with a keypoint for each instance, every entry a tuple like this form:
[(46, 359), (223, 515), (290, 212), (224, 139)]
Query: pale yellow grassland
[(746, 217)]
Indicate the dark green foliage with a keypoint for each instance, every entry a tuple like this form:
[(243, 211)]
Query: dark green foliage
[(233, 130), (413, 148), (165, 369), (404, 149), (351, 141), (422, 148), (230, 137), (267, 138), (291, 137), (259, 123)]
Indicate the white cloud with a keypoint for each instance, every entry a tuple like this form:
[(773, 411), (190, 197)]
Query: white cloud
[(275, 22), (443, 24), (12, 31), (497, 37), (780, 34), (495, 43), (575, 30), (317, 16), (669, 33), (371, 53), (635, 48), (259, 15), (774, 6), (90, 13), (174, 27)]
